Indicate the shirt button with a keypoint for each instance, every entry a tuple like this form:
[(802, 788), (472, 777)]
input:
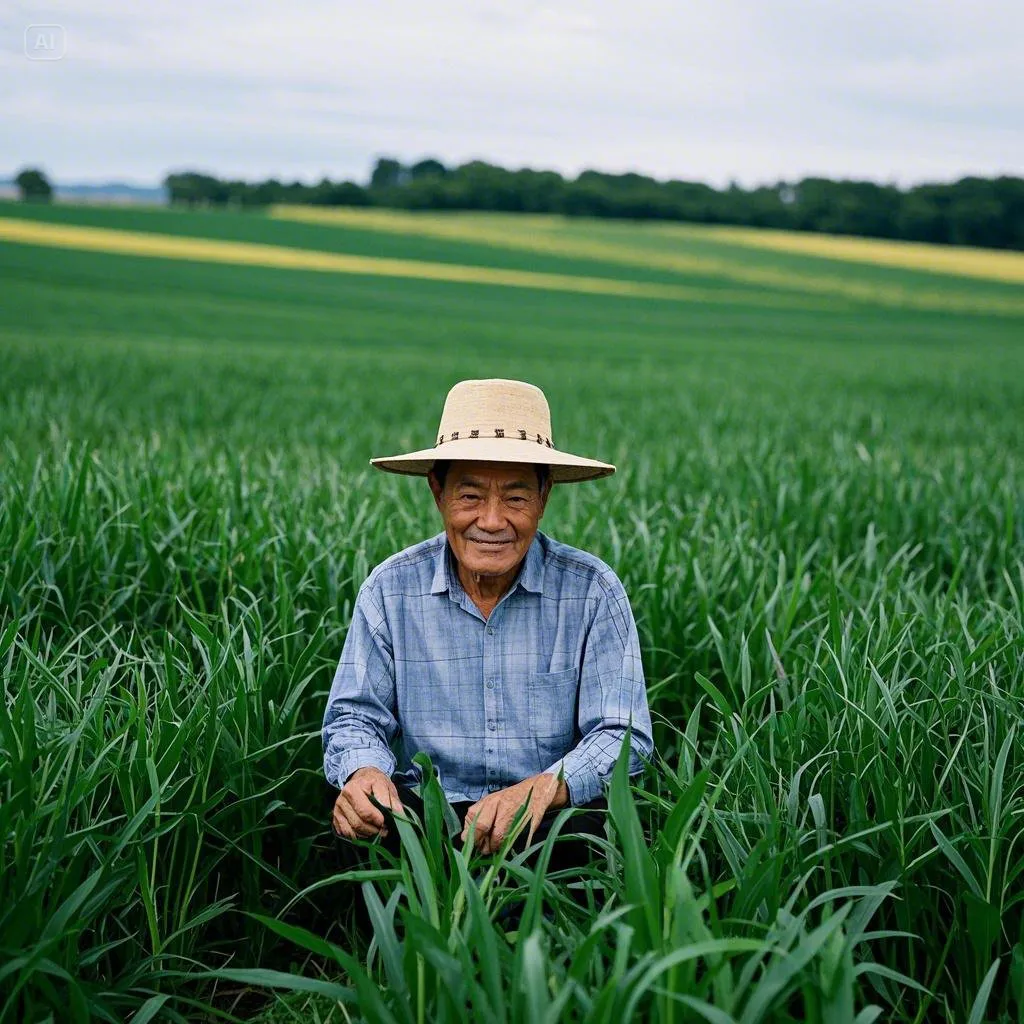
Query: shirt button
[(490, 684), (490, 750), (491, 726), (490, 631)]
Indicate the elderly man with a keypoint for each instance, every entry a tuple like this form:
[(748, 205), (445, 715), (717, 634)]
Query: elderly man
[(508, 657)]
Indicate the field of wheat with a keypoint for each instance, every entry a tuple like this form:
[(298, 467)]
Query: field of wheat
[(818, 516)]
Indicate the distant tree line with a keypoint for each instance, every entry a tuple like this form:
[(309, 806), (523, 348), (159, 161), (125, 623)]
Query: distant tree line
[(971, 211)]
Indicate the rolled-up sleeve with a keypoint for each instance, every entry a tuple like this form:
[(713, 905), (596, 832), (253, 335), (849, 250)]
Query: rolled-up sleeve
[(612, 695), (359, 722)]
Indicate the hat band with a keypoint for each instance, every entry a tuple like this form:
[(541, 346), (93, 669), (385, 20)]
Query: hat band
[(516, 435)]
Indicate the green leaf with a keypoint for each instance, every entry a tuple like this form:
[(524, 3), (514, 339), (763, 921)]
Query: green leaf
[(977, 1015)]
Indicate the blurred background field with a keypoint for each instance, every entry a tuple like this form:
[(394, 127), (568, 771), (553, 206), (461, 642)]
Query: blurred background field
[(817, 515)]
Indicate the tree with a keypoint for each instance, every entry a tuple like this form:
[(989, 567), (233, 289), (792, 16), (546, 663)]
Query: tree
[(388, 173), (429, 168), (33, 186), (922, 216), (193, 188), (340, 193)]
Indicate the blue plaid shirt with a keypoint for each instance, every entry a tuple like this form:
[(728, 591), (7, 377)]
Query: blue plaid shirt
[(550, 679)]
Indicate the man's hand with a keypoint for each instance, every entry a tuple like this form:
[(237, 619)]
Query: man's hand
[(354, 815), (495, 812)]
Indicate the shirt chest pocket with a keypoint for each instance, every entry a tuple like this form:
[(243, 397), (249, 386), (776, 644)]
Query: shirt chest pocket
[(552, 703)]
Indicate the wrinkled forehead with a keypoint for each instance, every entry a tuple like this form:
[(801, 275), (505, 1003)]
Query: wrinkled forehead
[(494, 474)]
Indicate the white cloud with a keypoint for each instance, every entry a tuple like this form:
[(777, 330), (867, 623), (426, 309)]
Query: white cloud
[(710, 90)]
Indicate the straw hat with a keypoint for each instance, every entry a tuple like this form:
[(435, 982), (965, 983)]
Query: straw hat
[(497, 421)]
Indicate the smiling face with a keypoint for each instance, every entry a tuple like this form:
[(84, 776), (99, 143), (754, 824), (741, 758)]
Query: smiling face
[(491, 511)]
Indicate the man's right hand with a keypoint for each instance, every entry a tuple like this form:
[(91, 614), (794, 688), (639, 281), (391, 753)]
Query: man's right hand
[(354, 816)]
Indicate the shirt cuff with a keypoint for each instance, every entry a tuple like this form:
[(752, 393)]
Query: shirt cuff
[(581, 779), (341, 766)]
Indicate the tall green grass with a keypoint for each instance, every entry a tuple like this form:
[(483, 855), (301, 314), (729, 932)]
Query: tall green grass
[(818, 518)]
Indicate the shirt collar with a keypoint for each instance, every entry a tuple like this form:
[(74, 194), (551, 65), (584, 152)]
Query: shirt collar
[(440, 582), (531, 576)]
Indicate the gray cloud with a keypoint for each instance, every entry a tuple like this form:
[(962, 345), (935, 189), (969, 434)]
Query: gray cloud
[(710, 89)]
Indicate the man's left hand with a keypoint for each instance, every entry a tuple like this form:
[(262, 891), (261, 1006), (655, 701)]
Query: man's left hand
[(495, 812)]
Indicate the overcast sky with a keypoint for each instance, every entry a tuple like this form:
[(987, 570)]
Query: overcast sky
[(713, 90)]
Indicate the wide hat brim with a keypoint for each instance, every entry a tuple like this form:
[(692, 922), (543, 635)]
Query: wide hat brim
[(565, 467)]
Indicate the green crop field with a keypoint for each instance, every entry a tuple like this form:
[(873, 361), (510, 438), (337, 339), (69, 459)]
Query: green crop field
[(818, 515)]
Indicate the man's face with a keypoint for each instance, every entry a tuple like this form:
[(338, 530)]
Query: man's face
[(491, 511)]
